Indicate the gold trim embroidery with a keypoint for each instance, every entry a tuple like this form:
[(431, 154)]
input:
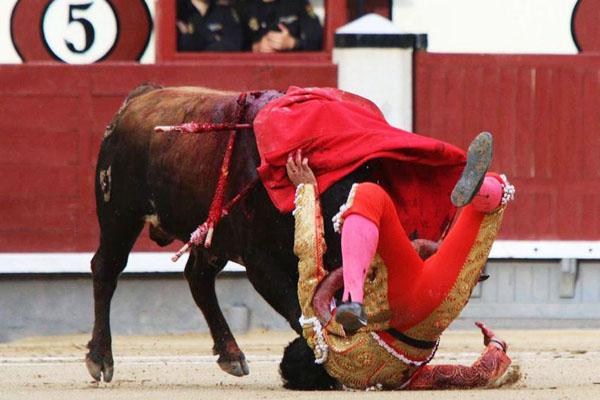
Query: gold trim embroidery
[(338, 219)]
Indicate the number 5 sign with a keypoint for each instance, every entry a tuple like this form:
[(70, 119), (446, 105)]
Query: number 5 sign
[(80, 31)]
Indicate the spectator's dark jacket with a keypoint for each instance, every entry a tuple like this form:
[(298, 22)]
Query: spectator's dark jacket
[(259, 17), (218, 30)]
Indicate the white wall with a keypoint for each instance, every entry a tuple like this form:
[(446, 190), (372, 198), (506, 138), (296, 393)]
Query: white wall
[(490, 26), (8, 54), (149, 55), (319, 7)]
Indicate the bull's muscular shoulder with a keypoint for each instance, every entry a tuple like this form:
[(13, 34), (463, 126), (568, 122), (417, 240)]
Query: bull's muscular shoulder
[(176, 96), (180, 90), (116, 120), (173, 105), (198, 90), (140, 90)]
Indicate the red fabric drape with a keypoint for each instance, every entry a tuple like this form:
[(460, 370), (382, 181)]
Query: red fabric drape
[(339, 132)]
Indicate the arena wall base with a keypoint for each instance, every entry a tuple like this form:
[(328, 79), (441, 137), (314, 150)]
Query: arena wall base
[(144, 304), (519, 294), (529, 294)]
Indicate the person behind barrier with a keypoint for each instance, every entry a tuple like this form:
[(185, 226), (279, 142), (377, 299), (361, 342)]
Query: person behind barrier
[(208, 25), (280, 25)]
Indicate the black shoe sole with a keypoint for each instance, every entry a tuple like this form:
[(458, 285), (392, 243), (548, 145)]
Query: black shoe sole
[(479, 158), (350, 319)]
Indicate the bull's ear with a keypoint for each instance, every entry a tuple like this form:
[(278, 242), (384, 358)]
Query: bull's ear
[(299, 371)]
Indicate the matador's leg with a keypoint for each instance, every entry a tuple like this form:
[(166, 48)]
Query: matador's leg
[(359, 244), (446, 282), (492, 364), (369, 224)]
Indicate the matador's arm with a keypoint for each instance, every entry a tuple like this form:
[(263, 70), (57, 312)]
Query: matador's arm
[(309, 243), (492, 364)]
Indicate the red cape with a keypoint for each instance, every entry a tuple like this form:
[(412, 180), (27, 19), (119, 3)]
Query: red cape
[(339, 132)]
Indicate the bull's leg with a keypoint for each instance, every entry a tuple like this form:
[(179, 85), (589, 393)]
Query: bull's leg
[(108, 262), (278, 286), (200, 271)]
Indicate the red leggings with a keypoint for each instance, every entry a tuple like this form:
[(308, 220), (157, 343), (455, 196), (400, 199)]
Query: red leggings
[(415, 287)]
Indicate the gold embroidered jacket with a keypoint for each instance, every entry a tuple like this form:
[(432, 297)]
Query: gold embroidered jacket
[(364, 359)]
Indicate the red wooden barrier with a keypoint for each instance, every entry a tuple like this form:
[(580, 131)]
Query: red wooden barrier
[(544, 113), (52, 118)]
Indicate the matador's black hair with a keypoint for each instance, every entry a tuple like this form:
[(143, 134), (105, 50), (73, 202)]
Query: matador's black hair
[(299, 371)]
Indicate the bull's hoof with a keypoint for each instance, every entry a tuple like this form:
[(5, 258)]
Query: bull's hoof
[(99, 370), (234, 367)]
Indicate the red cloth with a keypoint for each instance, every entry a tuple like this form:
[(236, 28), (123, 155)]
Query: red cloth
[(339, 132)]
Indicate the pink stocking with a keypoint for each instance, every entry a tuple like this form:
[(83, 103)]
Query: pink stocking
[(359, 244)]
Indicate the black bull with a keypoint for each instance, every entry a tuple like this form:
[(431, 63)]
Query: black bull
[(169, 180)]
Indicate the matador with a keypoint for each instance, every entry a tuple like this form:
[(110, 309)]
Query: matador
[(395, 304)]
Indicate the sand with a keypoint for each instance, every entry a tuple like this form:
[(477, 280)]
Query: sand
[(561, 364)]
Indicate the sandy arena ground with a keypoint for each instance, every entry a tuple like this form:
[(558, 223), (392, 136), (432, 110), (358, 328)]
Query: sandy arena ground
[(552, 365)]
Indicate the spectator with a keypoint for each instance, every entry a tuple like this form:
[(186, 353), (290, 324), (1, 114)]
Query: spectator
[(280, 25), (208, 25)]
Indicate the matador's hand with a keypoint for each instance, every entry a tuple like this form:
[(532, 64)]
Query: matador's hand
[(298, 170), (490, 337)]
